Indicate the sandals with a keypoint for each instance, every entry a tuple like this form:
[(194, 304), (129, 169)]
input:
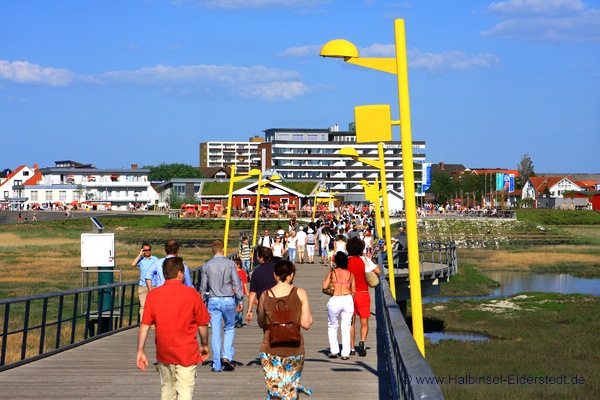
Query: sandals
[(331, 355), (344, 358)]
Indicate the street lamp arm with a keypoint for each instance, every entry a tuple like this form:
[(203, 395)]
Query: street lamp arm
[(380, 64)]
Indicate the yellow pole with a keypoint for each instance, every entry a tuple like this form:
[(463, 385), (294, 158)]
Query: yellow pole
[(414, 270), (256, 211), (386, 217), (226, 238), (315, 204)]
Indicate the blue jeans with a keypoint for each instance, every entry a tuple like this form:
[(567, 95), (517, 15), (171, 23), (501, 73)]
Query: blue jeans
[(246, 265), (222, 309), (292, 254)]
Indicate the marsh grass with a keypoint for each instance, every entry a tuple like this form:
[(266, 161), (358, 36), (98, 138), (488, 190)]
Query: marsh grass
[(532, 335)]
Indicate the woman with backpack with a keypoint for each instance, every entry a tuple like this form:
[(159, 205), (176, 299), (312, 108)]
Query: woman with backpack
[(283, 362)]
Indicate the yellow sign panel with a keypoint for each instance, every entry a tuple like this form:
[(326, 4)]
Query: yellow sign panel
[(373, 123)]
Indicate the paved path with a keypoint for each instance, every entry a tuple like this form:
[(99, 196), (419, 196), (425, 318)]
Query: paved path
[(106, 368)]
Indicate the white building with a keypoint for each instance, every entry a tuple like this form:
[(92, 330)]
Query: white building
[(12, 187), (312, 154), (71, 183), (244, 155)]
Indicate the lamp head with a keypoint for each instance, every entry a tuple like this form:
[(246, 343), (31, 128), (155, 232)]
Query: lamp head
[(339, 48), (363, 183), (348, 152), (254, 172), (275, 178)]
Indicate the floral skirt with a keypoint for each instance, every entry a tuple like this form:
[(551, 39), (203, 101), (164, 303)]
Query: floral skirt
[(282, 376)]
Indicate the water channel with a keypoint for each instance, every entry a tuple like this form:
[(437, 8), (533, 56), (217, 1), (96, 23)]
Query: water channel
[(513, 283)]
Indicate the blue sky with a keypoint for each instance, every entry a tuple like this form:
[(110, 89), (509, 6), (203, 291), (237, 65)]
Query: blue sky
[(117, 82)]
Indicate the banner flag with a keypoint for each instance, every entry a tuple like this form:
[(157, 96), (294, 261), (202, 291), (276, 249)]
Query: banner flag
[(505, 182), (499, 181), (427, 176)]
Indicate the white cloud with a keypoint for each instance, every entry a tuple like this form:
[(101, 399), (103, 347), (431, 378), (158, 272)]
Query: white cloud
[(275, 91), (260, 82), (536, 7), (378, 50), (302, 51), (252, 4), (449, 60), (545, 20), (25, 72)]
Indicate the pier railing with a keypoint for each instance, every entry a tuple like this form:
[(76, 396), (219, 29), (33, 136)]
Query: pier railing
[(409, 373), (38, 326)]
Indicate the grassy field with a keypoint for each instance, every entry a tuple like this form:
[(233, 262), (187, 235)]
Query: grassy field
[(45, 257), (542, 346)]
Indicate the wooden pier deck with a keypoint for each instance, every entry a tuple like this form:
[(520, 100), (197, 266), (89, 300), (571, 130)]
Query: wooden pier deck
[(106, 369)]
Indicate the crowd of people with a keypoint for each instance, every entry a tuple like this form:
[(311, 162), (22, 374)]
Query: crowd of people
[(264, 277)]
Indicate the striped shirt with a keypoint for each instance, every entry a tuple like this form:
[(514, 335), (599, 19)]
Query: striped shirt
[(245, 251)]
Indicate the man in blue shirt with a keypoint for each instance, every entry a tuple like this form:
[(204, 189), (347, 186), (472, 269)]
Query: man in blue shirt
[(144, 261), (155, 276)]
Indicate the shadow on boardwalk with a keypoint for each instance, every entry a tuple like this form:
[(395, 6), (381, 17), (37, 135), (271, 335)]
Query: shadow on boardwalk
[(106, 368)]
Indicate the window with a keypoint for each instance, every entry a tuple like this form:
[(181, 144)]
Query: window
[(6, 195), (179, 189), (25, 173), (62, 195), (48, 195), (311, 137), (34, 195)]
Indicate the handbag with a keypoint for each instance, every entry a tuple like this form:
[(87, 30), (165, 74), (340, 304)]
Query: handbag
[(283, 329), (331, 287), (370, 276)]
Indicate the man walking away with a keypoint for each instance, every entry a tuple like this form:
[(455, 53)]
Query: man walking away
[(179, 314), (221, 287)]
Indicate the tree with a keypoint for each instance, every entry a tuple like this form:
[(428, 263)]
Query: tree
[(442, 186), (525, 168), (164, 172)]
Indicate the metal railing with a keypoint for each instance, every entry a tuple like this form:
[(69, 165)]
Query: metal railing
[(38, 326), (409, 373), (35, 327), (437, 260)]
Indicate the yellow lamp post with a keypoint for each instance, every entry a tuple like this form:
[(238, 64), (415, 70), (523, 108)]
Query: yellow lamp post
[(373, 195), (232, 180), (320, 189), (261, 183), (330, 199), (379, 164), (398, 66)]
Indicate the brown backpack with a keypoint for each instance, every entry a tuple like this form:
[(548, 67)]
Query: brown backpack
[(283, 331)]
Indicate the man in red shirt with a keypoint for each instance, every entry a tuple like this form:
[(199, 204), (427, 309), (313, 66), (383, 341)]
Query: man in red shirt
[(179, 313)]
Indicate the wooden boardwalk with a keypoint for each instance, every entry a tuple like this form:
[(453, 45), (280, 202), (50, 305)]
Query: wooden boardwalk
[(105, 369)]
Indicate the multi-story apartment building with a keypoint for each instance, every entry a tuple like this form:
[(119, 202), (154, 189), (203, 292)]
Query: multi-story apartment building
[(312, 154), (70, 183), (244, 155)]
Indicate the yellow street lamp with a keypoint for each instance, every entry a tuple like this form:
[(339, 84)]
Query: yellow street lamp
[(320, 189), (380, 165), (373, 195), (261, 183), (398, 66), (232, 180)]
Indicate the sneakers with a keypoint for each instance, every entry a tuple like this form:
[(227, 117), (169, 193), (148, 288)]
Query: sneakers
[(352, 352), (361, 349)]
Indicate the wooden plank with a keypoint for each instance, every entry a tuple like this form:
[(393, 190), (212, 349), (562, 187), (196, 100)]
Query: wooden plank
[(106, 368)]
